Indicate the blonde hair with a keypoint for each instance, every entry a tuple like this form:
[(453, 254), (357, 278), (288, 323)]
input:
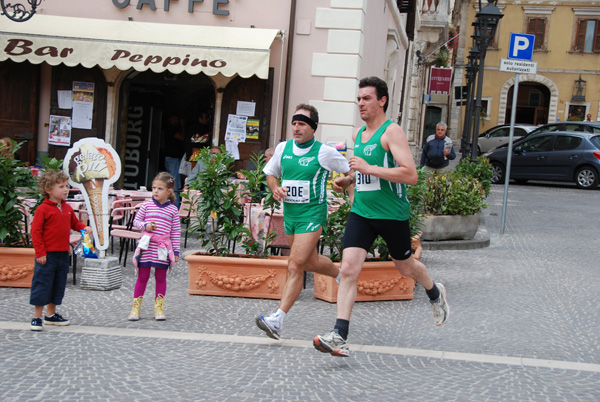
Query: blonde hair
[(48, 179), (7, 147), (169, 181)]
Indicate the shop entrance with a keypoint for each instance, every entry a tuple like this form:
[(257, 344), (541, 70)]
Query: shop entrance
[(147, 100)]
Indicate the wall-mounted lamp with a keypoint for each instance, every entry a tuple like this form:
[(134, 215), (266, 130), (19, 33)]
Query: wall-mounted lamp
[(419, 57), (579, 90), (20, 11)]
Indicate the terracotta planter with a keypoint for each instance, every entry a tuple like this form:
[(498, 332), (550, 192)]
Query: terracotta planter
[(449, 227), (16, 267), (378, 280), (239, 277)]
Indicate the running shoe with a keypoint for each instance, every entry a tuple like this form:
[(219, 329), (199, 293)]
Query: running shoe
[(332, 343), (270, 325), (440, 307), (56, 319), (37, 324)]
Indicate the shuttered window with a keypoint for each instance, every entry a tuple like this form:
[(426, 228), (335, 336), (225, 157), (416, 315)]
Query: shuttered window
[(587, 37), (537, 26)]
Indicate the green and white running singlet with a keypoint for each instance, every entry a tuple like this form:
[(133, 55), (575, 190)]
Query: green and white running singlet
[(306, 181), (376, 198)]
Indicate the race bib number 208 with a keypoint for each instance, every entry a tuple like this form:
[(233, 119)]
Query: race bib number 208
[(298, 191)]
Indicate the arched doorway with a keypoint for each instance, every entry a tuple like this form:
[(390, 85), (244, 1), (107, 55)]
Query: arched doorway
[(528, 79), (146, 100), (533, 103)]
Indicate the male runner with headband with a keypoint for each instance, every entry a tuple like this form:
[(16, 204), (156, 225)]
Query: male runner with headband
[(384, 165), (303, 165)]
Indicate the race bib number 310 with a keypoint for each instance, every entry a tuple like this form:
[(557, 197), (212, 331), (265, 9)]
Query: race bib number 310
[(298, 191), (366, 182)]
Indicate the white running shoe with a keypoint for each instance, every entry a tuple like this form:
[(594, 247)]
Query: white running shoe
[(440, 307), (270, 325), (332, 343)]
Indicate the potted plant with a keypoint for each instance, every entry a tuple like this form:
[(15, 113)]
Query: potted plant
[(379, 278), (453, 200), (219, 223), (16, 254)]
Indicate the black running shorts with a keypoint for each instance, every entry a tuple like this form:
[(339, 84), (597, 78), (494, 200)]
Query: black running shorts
[(362, 232)]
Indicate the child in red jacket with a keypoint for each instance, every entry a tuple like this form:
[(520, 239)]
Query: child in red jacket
[(50, 233)]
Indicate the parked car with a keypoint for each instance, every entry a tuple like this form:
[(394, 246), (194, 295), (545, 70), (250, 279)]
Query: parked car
[(552, 156), (499, 135), (577, 126)]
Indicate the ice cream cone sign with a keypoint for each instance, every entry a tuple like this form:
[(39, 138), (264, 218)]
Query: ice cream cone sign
[(92, 166)]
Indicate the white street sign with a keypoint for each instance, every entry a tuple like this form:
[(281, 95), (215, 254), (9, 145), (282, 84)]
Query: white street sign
[(518, 66)]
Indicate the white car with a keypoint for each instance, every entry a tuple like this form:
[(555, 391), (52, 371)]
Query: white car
[(496, 136)]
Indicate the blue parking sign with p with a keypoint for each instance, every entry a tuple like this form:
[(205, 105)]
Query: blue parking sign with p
[(521, 46)]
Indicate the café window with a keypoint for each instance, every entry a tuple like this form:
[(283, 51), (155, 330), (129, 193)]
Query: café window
[(587, 37)]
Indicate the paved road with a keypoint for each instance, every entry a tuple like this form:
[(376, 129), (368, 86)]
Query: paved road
[(524, 327)]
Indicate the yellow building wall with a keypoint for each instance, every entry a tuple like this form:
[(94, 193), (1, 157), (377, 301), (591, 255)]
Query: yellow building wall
[(557, 67)]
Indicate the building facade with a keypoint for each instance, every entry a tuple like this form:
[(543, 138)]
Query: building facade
[(146, 59), (567, 52)]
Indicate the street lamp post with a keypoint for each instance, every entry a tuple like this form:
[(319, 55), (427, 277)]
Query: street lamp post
[(485, 25), (19, 10), (471, 75)]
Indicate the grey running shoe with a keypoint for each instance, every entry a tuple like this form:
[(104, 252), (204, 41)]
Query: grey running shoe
[(270, 325), (440, 307), (332, 343)]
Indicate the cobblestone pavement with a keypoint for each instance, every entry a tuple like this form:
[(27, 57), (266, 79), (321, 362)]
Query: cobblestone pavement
[(523, 327)]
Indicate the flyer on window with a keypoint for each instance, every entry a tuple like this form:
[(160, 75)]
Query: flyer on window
[(59, 131), (83, 104)]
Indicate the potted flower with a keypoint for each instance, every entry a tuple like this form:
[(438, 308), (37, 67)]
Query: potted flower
[(16, 254), (219, 222), (453, 200), (379, 278)]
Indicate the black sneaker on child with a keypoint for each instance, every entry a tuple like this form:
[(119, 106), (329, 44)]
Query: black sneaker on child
[(56, 319), (36, 324)]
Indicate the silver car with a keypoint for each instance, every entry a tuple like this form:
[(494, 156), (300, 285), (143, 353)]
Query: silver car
[(499, 135)]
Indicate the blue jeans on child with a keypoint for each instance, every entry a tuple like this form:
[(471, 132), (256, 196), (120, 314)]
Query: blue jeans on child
[(50, 280)]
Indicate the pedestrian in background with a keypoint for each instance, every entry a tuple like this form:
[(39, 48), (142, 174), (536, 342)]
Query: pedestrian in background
[(158, 218), (174, 145), (438, 150), (50, 234)]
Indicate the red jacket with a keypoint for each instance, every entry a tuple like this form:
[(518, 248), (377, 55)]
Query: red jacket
[(51, 227)]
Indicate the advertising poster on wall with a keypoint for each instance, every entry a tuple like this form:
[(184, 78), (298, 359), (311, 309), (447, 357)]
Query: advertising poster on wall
[(59, 131), (92, 166), (252, 129), (83, 104)]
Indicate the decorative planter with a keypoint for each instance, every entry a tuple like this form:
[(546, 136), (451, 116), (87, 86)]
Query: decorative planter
[(239, 277), (378, 280), (16, 267), (449, 227)]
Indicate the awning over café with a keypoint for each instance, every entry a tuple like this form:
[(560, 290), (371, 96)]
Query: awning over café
[(138, 45)]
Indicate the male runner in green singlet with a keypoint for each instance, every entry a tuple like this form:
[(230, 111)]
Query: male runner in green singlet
[(384, 165), (303, 165)]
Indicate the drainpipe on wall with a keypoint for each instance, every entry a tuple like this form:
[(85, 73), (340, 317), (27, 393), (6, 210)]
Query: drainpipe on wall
[(288, 65)]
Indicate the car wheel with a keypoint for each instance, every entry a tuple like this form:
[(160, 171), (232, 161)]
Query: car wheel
[(497, 173), (478, 150), (586, 177)]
